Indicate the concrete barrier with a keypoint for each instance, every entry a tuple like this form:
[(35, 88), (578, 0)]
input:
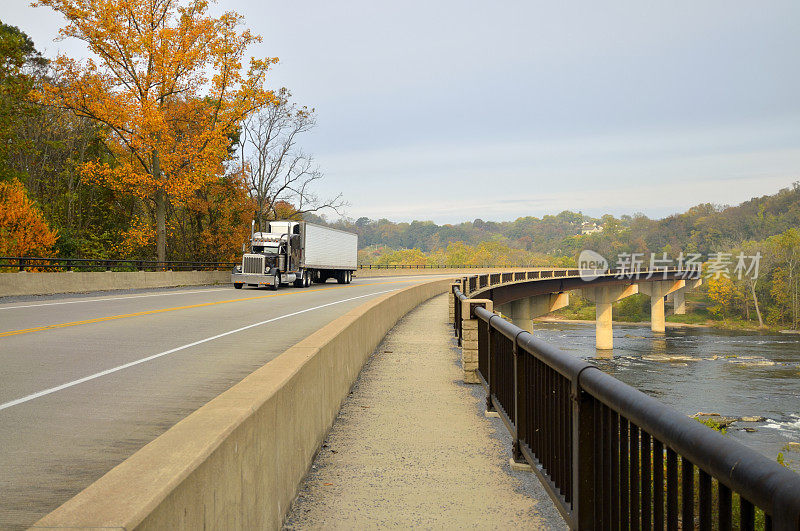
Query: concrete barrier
[(25, 283), (236, 462)]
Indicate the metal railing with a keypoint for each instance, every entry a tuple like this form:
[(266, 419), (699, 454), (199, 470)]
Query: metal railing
[(478, 282), (26, 263), (430, 266), (613, 457)]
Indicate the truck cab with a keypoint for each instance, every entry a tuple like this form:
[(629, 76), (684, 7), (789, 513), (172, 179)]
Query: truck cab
[(275, 257)]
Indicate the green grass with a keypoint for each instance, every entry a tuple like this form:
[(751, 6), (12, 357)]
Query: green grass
[(689, 318), (713, 424)]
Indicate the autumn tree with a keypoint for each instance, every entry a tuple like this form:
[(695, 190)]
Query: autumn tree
[(721, 291), (785, 289), (23, 230), (168, 85), (279, 171)]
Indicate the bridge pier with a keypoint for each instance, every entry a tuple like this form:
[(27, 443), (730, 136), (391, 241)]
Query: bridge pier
[(657, 290), (469, 338), (679, 296), (522, 312), (603, 298)]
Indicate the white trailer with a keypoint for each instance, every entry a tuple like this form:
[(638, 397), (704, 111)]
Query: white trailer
[(299, 253)]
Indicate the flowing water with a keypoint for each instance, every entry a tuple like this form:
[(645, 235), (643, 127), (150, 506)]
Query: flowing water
[(735, 374)]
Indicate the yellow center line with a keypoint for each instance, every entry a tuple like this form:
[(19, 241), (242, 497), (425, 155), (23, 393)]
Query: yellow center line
[(163, 310)]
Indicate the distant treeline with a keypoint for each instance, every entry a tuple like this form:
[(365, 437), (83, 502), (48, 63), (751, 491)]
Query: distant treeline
[(702, 229), (767, 226)]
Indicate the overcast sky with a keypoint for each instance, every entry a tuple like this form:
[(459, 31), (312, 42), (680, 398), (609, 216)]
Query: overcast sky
[(453, 110)]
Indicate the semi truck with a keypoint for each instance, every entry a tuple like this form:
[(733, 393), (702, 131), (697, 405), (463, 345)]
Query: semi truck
[(297, 253)]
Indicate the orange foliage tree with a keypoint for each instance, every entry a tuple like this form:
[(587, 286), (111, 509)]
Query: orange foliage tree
[(23, 230), (169, 86)]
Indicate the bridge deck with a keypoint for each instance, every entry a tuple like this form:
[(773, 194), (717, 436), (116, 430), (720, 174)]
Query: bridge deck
[(411, 446)]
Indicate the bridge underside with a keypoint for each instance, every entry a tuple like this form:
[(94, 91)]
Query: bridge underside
[(526, 300)]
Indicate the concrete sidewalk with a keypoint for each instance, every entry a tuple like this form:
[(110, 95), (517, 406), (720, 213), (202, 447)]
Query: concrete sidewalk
[(412, 448)]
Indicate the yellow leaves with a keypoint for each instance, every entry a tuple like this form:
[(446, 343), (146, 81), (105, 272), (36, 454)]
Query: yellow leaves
[(168, 125), (140, 235), (23, 230), (723, 292)]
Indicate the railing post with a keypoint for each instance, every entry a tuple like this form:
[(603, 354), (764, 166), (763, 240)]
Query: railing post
[(469, 338), (519, 417), (453, 302), (490, 377), (584, 440)]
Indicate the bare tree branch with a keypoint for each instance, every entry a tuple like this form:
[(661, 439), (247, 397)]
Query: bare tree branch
[(277, 170)]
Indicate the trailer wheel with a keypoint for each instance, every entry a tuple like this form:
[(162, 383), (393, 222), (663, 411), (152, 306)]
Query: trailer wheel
[(238, 285)]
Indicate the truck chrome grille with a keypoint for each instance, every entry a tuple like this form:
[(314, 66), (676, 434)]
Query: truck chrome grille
[(253, 264)]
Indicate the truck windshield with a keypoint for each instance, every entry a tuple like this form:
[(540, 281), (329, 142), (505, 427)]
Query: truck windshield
[(265, 249)]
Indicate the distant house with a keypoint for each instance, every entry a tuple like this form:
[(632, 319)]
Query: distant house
[(588, 227)]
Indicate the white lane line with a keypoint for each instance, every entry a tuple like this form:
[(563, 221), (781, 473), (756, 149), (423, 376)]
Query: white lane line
[(171, 351), (114, 298)]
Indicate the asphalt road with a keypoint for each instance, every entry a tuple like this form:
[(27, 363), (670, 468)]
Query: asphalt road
[(86, 381)]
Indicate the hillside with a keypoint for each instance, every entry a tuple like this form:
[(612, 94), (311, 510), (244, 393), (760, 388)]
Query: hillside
[(703, 229)]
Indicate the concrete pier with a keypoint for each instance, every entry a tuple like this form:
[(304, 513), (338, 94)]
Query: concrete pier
[(604, 297), (658, 290), (522, 312)]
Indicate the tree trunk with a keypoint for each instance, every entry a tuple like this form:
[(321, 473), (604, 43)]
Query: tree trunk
[(161, 212), (161, 225), (755, 302)]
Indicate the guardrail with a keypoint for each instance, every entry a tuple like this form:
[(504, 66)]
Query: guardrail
[(611, 456), (25, 263), (430, 266)]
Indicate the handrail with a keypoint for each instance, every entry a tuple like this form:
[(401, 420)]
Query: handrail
[(608, 453), (23, 263), (433, 266)]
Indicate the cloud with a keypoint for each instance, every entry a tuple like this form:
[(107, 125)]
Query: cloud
[(656, 173)]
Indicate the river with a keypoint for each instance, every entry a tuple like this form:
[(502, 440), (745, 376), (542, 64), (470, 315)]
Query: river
[(732, 373)]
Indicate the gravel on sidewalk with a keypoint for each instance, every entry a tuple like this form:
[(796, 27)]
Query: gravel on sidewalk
[(412, 448)]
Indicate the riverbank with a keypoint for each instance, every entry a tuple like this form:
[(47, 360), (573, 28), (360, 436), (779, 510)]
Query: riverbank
[(669, 324), (719, 325)]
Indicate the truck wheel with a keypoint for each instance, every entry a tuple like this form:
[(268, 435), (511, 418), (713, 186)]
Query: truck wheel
[(299, 282), (238, 285), (276, 281), (306, 281)]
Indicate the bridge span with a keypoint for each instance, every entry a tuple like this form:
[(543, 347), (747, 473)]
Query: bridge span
[(524, 295)]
